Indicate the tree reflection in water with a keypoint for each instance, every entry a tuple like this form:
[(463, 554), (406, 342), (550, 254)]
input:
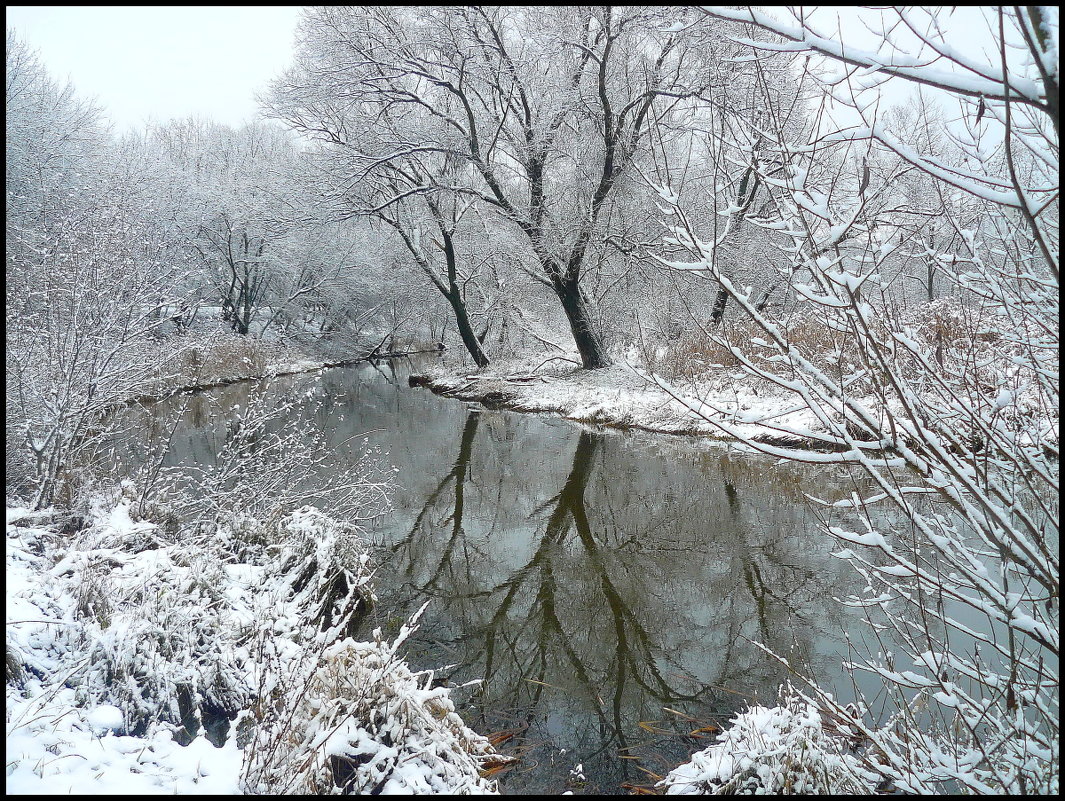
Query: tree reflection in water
[(597, 608), (591, 580)]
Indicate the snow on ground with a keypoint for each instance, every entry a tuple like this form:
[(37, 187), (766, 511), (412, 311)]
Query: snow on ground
[(56, 747), (108, 626), (57, 744), (624, 396)]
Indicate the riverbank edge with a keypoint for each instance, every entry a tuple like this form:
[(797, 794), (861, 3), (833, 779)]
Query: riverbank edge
[(623, 398), (301, 367), (572, 397)]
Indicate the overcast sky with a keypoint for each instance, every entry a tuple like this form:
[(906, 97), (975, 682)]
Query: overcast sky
[(160, 63)]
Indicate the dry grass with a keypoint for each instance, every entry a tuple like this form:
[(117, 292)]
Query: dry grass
[(219, 357), (699, 354), (940, 327), (950, 323), (355, 720)]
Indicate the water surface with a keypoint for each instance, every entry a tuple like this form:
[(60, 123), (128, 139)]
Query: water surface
[(603, 587)]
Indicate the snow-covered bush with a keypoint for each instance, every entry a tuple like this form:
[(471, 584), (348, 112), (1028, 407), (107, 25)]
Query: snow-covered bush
[(123, 632), (317, 570), (169, 631), (353, 719), (273, 459), (780, 750)]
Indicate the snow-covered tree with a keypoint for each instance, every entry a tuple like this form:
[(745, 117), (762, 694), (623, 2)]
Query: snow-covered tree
[(957, 427), (51, 136), (88, 273), (238, 211), (535, 116)]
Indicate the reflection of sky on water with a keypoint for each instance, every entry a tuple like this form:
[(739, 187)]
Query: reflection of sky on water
[(590, 579)]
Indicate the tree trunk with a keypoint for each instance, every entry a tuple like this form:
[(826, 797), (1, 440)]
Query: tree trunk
[(462, 317), (453, 293), (718, 312), (589, 344)]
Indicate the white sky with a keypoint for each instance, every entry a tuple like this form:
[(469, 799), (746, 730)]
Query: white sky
[(159, 63), (849, 26)]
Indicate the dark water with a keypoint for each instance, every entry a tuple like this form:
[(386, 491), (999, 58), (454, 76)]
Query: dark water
[(604, 587)]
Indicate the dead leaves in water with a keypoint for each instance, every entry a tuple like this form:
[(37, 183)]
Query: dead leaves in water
[(501, 736), (499, 763), (649, 726), (494, 767), (703, 731), (640, 789)]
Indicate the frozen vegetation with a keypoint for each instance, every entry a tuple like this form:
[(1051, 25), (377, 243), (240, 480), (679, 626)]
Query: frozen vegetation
[(124, 642), (713, 221), (781, 750)]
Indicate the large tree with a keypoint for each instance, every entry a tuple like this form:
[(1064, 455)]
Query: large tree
[(535, 114)]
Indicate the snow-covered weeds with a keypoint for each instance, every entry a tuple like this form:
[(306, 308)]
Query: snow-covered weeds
[(782, 750), (124, 639), (355, 720), (166, 633)]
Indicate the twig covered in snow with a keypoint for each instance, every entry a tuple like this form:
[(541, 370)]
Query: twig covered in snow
[(964, 603)]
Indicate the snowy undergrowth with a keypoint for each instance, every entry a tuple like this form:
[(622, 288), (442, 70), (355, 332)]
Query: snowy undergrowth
[(122, 641), (63, 735), (360, 721), (781, 750)]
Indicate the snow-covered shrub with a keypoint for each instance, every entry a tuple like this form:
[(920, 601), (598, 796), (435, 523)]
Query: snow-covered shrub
[(781, 750), (952, 413), (356, 720), (170, 631), (318, 568), (274, 459), (156, 624)]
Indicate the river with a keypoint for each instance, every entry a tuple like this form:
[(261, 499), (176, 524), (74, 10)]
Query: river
[(603, 587)]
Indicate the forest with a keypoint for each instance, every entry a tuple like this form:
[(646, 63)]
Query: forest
[(696, 221)]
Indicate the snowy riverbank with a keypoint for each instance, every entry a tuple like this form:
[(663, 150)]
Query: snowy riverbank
[(728, 406), (124, 643), (624, 396)]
